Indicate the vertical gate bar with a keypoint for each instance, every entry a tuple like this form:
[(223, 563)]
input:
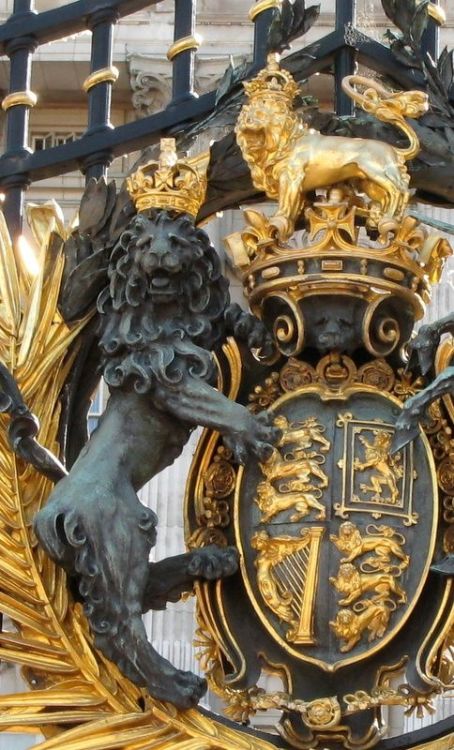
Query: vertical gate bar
[(17, 105), (99, 84), (182, 52), (430, 42), (345, 61), (262, 14)]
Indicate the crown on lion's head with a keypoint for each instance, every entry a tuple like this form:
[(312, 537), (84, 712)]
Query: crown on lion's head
[(171, 183), (273, 82)]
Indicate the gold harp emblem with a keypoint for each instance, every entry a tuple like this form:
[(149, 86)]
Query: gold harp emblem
[(287, 570)]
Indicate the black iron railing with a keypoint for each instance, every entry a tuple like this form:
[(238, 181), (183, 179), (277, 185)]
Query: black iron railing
[(26, 30)]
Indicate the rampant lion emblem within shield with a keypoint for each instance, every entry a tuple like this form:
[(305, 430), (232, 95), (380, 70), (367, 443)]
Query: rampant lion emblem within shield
[(328, 525), (336, 536)]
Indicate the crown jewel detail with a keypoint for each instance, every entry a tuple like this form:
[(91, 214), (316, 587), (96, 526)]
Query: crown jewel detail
[(170, 183), (273, 81), (337, 258)]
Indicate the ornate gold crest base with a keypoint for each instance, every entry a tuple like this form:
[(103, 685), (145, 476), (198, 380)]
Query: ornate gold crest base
[(336, 539)]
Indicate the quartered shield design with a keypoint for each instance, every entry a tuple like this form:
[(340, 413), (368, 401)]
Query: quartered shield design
[(336, 534)]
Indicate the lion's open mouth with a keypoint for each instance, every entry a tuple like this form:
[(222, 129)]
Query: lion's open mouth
[(161, 287), (255, 139)]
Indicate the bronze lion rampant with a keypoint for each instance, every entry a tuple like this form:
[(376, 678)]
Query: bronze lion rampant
[(164, 309)]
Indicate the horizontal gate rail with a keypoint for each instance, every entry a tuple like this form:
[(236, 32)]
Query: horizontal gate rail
[(118, 141), (92, 154), (51, 25)]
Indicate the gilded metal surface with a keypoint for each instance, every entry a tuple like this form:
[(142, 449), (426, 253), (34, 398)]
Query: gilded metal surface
[(170, 183), (387, 271), (212, 500), (388, 485), (17, 98), (437, 13), (378, 551), (372, 565), (287, 576), (381, 581), (383, 541), (414, 702), (352, 585), (103, 75), (272, 502), (261, 6), (79, 700), (183, 45), (337, 260), (386, 469), (372, 618), (335, 541), (298, 472), (287, 160)]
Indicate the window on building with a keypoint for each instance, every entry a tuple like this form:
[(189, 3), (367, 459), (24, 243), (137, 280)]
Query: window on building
[(98, 406), (41, 141)]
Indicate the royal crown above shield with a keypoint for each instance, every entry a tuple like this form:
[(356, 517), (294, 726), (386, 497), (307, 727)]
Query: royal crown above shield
[(338, 528)]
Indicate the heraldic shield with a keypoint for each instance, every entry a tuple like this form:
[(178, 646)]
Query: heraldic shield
[(344, 527), (328, 527), (336, 536)]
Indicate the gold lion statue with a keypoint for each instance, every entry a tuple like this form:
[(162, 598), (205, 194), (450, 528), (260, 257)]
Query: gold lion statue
[(287, 160)]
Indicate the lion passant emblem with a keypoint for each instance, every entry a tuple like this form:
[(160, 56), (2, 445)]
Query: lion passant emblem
[(327, 526)]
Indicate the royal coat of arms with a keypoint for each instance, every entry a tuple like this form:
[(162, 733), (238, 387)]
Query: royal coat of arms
[(319, 507), (338, 529)]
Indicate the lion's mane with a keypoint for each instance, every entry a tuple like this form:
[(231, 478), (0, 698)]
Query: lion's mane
[(143, 342), (280, 128)]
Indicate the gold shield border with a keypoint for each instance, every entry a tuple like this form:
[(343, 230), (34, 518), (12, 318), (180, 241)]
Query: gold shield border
[(328, 395)]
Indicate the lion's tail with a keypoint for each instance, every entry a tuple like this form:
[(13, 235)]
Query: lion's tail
[(385, 531), (365, 604), (389, 107)]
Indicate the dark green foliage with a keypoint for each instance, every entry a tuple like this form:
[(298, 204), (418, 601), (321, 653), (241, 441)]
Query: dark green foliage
[(290, 21)]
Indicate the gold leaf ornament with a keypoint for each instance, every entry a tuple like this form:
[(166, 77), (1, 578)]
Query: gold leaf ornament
[(78, 699)]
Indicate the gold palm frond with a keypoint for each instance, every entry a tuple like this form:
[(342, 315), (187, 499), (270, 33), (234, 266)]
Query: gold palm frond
[(79, 700)]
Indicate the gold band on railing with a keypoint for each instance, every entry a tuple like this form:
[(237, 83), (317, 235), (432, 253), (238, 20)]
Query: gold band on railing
[(437, 13), (104, 75), (16, 98), (182, 45), (261, 6)]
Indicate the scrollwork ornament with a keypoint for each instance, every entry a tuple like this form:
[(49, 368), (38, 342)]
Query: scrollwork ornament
[(286, 320), (377, 374), (381, 332), (220, 476), (296, 374), (213, 512), (445, 473)]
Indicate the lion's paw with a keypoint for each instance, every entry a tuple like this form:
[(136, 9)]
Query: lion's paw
[(188, 689), (407, 427), (255, 435), (213, 562)]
